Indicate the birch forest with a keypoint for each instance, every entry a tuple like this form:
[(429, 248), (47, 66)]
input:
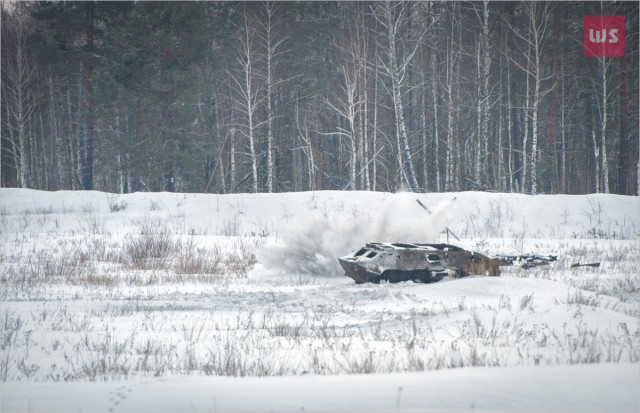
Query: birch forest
[(228, 97)]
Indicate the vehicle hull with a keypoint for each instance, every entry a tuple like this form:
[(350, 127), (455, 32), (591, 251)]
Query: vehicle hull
[(397, 262)]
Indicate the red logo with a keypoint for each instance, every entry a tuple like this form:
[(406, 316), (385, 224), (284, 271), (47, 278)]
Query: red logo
[(603, 36)]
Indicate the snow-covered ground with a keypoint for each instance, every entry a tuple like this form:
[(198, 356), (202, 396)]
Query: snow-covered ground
[(174, 302)]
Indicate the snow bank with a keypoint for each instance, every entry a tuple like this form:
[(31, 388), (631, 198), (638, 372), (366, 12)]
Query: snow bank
[(75, 313), (312, 229), (577, 388)]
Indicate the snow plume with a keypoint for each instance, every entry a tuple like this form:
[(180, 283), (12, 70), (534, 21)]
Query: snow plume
[(312, 242), (315, 239), (402, 219)]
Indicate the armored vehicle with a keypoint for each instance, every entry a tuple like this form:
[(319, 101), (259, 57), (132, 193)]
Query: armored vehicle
[(396, 262)]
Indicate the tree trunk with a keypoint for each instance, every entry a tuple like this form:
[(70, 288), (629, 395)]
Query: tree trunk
[(534, 119), (269, 57), (484, 99), (500, 179), (232, 155), (623, 153), (396, 86), (425, 146), (451, 167), (87, 166), (525, 125), (249, 93), (596, 154), (43, 174), (137, 169), (509, 131), (436, 131), (374, 183), (603, 127), (22, 146), (553, 110), (18, 84)]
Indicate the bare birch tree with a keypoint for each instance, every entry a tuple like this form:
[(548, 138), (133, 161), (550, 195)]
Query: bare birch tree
[(348, 106), (452, 73), (394, 17), (538, 16), (248, 84), (603, 98), (19, 89), (274, 50), (484, 65)]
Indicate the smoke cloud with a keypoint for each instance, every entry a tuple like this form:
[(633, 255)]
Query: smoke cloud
[(313, 241)]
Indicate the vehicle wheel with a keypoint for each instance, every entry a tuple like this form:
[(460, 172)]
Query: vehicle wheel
[(431, 277), (435, 277), (423, 276)]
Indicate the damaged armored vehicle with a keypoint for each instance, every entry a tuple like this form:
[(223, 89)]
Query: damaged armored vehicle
[(397, 262)]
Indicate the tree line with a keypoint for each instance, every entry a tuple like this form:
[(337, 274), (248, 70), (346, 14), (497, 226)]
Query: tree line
[(232, 97)]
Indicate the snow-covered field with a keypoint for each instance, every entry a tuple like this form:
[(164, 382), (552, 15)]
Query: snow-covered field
[(174, 302)]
